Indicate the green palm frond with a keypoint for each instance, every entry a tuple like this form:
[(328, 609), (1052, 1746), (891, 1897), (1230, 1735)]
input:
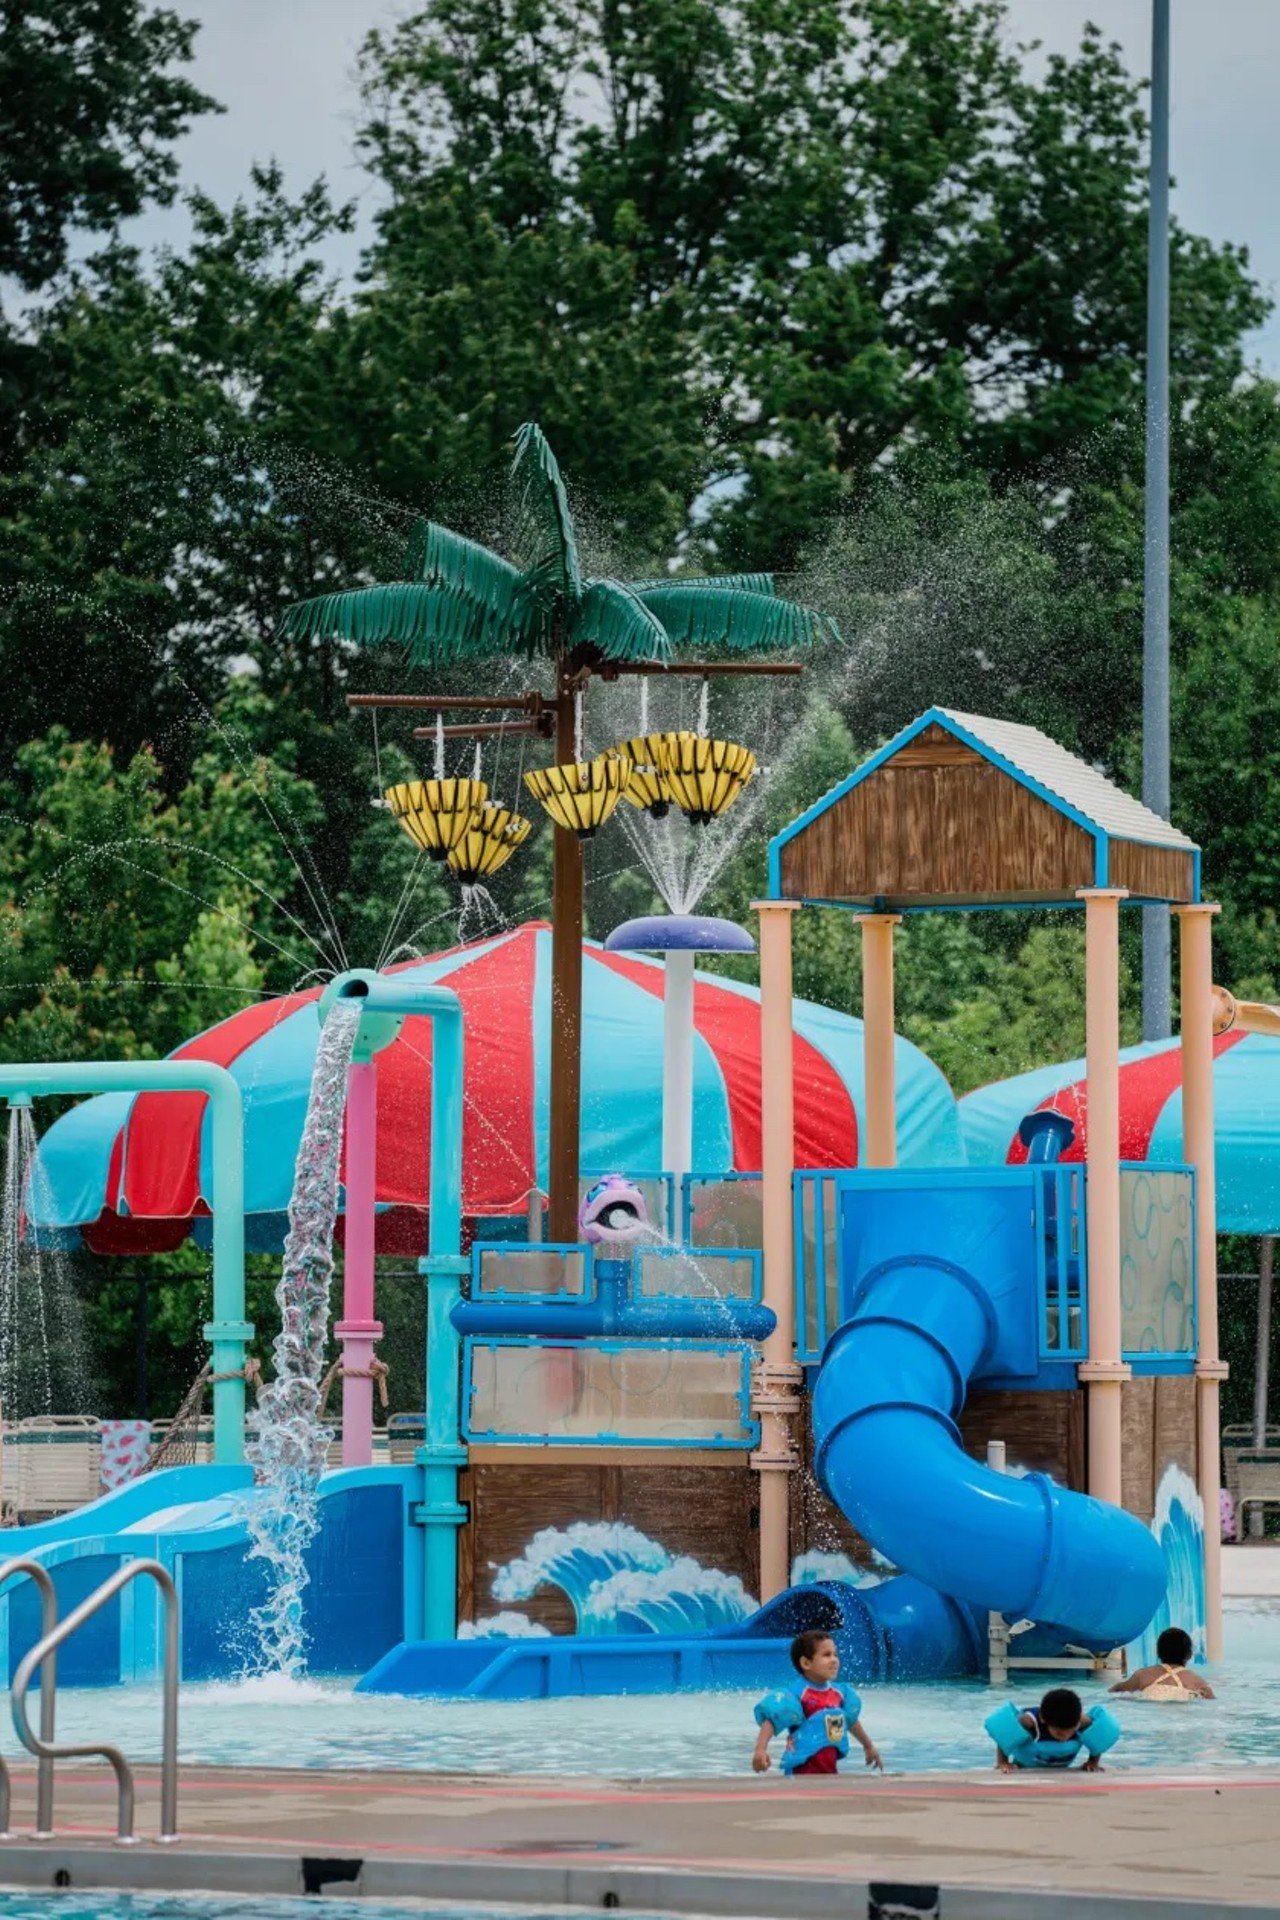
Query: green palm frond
[(614, 619), (435, 624), (443, 558), (701, 582), (734, 621), (545, 525)]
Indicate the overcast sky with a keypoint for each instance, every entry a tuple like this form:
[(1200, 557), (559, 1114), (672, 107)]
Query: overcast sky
[(284, 69)]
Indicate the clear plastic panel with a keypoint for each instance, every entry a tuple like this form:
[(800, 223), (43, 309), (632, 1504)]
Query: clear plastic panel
[(532, 1271), (693, 1274), (726, 1213), (647, 1395), (1157, 1287)]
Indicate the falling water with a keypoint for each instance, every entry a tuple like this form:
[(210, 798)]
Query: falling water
[(704, 710), (41, 1348), (439, 746), (292, 1444)]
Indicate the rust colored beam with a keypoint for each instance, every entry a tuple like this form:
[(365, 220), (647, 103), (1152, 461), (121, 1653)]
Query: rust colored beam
[(701, 669), (566, 999), (533, 703), (485, 729)]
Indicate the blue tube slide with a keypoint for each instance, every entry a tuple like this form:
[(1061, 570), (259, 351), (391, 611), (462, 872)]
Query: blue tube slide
[(919, 1328)]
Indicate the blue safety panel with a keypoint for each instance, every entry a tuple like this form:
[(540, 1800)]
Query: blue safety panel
[(353, 1602), (91, 1658)]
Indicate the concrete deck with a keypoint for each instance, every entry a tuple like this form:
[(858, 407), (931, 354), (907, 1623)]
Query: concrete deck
[(1102, 1847), (1252, 1572)]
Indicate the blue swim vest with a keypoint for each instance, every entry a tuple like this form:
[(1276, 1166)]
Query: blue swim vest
[(810, 1733), (1028, 1750)]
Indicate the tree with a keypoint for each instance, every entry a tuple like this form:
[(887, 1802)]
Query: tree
[(90, 106)]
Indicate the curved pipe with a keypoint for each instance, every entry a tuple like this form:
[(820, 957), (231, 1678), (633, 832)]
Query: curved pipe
[(228, 1333), (609, 1318), (384, 1005), (888, 1449), (616, 1313)]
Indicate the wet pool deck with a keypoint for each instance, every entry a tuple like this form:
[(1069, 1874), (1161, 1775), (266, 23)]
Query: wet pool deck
[(744, 1846)]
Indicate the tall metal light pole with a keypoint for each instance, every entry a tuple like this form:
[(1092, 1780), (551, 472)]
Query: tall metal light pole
[(1155, 638)]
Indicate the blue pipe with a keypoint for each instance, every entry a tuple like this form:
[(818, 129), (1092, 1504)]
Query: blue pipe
[(384, 1004), (616, 1314), (887, 1447)]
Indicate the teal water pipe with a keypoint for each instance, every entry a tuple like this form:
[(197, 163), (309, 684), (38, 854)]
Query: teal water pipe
[(228, 1333), (440, 1458)]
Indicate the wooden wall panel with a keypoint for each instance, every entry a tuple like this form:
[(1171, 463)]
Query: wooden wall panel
[(1041, 1431), (1175, 1425), (1158, 873), (707, 1512), (1137, 1441), (941, 824)]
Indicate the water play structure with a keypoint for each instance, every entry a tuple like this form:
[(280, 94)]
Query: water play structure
[(639, 1398)]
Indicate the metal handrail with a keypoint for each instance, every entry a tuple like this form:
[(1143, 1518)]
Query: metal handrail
[(48, 1685), (45, 1749)]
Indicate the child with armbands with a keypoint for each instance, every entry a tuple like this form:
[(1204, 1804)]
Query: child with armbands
[(1052, 1734), (817, 1717)]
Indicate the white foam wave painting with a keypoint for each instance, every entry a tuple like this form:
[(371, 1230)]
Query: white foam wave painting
[(618, 1580), (1178, 1524)]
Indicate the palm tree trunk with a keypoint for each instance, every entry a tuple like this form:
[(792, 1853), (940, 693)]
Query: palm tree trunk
[(566, 993)]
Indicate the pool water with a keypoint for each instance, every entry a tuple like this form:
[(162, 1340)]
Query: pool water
[(917, 1728), (81, 1905)]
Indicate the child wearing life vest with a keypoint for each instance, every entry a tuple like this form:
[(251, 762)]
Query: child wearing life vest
[(1052, 1734), (1170, 1680), (818, 1717)]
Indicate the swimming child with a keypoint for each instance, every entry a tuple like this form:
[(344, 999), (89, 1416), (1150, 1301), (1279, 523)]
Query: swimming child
[(1052, 1734), (817, 1717), (1170, 1680)]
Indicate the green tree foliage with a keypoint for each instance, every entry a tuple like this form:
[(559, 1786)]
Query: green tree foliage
[(840, 287)]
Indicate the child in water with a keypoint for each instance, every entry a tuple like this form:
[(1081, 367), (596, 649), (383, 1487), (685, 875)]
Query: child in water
[(1170, 1680), (1052, 1734), (818, 1716)]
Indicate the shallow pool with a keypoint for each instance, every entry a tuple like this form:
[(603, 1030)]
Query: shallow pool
[(918, 1728), (79, 1905)]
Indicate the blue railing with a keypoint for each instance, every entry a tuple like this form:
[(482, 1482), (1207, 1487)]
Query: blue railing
[(1158, 1283)]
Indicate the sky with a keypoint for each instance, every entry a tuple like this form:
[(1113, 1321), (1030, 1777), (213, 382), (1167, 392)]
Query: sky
[(284, 70)]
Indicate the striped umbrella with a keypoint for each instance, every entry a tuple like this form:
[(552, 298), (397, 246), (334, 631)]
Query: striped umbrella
[(133, 1171), (1246, 1104)]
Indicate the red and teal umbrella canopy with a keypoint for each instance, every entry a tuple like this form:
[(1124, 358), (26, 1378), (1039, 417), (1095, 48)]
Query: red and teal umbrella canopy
[(1246, 1105), (133, 1171)]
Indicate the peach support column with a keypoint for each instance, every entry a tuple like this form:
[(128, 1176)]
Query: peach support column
[(1195, 945), (775, 1387), (1104, 1372), (880, 1148)]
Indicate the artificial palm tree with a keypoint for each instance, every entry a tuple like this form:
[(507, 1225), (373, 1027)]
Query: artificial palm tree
[(461, 601)]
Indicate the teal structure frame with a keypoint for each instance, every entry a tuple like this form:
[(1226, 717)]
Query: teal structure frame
[(384, 1005), (228, 1333)]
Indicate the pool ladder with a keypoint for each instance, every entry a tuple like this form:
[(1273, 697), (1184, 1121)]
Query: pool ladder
[(53, 1632)]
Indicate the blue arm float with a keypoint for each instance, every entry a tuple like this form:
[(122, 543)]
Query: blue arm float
[(852, 1704), (1006, 1729), (781, 1710), (1101, 1734)]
